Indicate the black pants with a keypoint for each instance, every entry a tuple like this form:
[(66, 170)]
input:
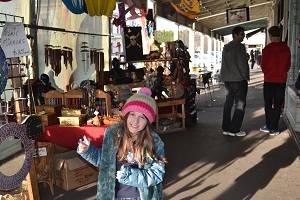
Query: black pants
[(236, 92), (252, 64), (274, 98)]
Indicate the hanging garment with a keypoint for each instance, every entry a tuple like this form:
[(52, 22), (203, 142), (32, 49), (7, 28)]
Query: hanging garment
[(76, 6), (121, 19)]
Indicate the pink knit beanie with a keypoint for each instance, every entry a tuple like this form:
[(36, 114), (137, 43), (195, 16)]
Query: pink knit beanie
[(141, 102)]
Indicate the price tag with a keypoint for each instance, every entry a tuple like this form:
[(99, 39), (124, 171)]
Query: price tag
[(41, 152)]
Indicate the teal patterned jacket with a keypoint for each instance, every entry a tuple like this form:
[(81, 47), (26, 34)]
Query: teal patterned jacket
[(148, 179)]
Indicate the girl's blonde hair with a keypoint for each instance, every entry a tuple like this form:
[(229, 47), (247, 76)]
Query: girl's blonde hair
[(141, 145)]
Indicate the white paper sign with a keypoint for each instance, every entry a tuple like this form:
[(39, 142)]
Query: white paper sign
[(13, 40)]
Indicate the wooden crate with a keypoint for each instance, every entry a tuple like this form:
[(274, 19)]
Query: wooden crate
[(72, 121), (66, 112), (44, 164)]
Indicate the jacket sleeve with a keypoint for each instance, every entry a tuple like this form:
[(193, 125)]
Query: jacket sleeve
[(263, 60), (143, 177), (92, 155), (289, 59), (158, 145), (242, 62), (152, 174)]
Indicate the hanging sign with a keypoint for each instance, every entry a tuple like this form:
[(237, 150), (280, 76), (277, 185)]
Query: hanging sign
[(13, 40)]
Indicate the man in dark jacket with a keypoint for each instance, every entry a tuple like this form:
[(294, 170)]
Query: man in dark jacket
[(276, 61), (235, 75)]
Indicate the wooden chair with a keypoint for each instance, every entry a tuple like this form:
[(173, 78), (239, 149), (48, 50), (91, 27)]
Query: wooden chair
[(107, 100), (54, 98), (73, 99)]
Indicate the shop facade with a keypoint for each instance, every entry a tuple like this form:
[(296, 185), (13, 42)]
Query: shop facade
[(291, 8)]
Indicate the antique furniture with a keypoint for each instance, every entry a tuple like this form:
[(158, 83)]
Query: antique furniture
[(173, 103), (54, 98), (73, 98)]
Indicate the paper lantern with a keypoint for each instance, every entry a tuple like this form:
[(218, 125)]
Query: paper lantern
[(75, 6)]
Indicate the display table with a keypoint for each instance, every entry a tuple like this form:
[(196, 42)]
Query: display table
[(173, 103), (68, 136)]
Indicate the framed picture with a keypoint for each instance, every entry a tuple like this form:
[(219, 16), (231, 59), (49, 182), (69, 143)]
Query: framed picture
[(237, 15), (133, 43)]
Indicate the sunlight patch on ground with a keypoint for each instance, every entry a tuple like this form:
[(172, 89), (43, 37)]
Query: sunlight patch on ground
[(258, 113)]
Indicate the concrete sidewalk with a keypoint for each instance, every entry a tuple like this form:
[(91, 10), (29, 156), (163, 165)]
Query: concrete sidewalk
[(205, 165)]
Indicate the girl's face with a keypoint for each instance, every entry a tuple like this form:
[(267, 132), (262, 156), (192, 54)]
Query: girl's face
[(136, 122)]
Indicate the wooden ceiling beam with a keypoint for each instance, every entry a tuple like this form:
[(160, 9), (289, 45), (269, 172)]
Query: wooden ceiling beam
[(222, 10)]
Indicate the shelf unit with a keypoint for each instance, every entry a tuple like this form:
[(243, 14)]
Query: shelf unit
[(153, 60), (15, 104), (174, 103), (13, 100)]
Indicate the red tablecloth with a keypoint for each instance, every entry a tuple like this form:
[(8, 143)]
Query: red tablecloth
[(68, 136)]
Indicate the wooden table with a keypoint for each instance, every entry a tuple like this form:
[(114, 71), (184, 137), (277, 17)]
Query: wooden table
[(174, 103), (68, 136)]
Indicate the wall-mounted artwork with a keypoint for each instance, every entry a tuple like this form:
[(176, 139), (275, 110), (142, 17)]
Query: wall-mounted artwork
[(133, 43), (237, 15)]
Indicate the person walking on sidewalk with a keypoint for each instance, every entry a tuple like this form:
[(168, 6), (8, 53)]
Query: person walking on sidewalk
[(252, 59), (131, 160), (275, 63), (235, 75)]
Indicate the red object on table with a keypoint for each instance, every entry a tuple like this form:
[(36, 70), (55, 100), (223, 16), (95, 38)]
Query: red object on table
[(68, 136)]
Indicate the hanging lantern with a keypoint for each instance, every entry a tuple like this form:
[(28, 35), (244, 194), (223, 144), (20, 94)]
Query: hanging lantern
[(187, 8), (75, 6), (100, 7)]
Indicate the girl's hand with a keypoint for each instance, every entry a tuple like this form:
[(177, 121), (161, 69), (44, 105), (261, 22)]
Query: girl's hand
[(83, 145), (119, 175), (122, 173)]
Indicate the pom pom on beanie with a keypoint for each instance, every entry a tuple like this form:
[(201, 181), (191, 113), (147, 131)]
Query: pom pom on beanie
[(141, 102)]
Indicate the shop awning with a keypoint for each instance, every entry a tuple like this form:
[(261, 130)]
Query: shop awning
[(248, 25)]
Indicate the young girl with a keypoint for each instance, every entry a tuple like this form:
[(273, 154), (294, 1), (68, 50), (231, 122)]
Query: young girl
[(131, 160)]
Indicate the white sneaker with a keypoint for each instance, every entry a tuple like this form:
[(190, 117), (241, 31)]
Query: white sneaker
[(240, 134), (274, 133), (264, 129), (228, 133)]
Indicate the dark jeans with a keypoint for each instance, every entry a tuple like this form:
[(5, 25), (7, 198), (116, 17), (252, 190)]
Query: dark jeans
[(274, 98), (252, 64), (236, 92)]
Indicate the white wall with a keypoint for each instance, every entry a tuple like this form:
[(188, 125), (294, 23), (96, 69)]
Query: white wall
[(54, 14)]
